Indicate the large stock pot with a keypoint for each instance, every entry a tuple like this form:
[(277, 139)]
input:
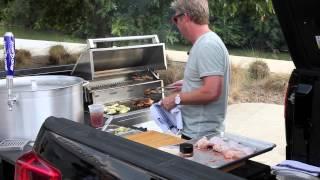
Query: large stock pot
[(38, 97)]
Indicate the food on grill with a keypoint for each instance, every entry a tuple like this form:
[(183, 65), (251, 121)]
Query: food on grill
[(147, 102), (228, 148), (118, 130), (121, 130), (116, 108), (111, 111), (149, 91), (141, 77)]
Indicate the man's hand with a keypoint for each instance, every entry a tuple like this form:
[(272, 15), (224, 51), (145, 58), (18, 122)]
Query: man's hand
[(210, 91), (176, 86), (168, 102)]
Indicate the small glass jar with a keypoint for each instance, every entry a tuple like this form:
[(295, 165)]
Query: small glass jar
[(186, 150)]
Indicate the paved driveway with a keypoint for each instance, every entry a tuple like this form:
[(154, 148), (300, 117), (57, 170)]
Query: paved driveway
[(262, 122)]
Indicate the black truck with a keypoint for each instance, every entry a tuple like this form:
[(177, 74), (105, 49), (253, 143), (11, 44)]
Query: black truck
[(300, 23), (68, 150)]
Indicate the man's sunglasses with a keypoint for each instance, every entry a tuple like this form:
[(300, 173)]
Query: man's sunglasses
[(175, 18)]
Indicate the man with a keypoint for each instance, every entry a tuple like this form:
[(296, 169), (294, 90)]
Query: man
[(204, 93)]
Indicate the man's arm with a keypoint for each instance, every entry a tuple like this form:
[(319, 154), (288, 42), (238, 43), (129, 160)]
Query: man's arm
[(208, 92)]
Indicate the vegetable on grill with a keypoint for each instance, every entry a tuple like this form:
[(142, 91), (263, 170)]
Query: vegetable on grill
[(116, 108)]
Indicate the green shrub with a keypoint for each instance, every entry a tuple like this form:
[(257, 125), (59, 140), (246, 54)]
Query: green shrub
[(23, 58), (70, 58), (57, 55), (237, 82), (1, 65), (173, 73), (258, 70), (276, 83)]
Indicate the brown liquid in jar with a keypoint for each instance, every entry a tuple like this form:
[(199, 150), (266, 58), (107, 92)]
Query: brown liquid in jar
[(186, 150)]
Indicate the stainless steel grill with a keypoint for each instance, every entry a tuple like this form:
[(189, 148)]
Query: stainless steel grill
[(122, 73)]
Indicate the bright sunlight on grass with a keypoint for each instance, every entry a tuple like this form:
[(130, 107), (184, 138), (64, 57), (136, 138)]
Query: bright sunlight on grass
[(24, 33), (242, 52), (260, 54)]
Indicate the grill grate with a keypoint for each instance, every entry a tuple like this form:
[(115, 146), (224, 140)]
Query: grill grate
[(13, 144), (107, 85), (132, 104), (129, 103), (131, 79)]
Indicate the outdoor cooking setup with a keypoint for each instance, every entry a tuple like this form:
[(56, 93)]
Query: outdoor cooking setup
[(127, 75), (123, 75)]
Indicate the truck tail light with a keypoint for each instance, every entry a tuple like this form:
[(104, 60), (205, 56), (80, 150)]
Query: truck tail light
[(31, 167)]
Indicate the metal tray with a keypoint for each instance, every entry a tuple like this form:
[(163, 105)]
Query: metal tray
[(13, 144), (125, 131), (215, 159)]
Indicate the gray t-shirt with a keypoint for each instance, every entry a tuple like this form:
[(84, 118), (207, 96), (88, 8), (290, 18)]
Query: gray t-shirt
[(208, 57)]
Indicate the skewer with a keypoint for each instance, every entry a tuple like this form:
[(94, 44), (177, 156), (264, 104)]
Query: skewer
[(166, 87)]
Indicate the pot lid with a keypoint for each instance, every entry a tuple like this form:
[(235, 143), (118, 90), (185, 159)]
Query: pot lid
[(41, 83), (300, 23)]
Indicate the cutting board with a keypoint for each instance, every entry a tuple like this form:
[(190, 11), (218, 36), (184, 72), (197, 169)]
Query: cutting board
[(155, 139)]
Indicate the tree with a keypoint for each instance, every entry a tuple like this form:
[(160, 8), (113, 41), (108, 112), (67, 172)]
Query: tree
[(250, 23), (92, 18)]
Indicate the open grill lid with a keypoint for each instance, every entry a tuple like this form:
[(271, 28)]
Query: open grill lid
[(99, 62), (300, 23)]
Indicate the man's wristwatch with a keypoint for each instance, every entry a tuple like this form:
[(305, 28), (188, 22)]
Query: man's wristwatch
[(177, 99)]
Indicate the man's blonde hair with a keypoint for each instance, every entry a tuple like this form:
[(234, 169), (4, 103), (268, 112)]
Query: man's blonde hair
[(197, 10)]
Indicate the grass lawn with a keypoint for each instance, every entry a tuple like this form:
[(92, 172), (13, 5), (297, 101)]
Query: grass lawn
[(261, 54), (241, 52), (23, 33)]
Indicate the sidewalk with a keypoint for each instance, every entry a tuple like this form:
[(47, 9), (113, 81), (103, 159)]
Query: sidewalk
[(264, 122), (276, 66)]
